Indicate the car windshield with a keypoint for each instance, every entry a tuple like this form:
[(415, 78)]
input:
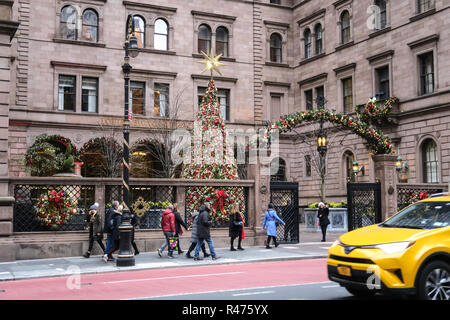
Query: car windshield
[(421, 215)]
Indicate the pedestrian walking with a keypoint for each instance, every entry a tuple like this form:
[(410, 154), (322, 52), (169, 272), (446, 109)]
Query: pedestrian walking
[(236, 228), (168, 228), (109, 214), (203, 232), (194, 236), (179, 222), (322, 214), (115, 221), (94, 221), (270, 220), (134, 222)]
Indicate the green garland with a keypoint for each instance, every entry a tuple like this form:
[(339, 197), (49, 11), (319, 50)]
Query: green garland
[(371, 112), (378, 142)]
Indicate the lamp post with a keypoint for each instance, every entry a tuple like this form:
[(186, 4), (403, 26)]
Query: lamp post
[(322, 146), (125, 258)]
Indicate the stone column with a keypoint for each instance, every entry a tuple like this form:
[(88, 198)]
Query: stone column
[(8, 29), (385, 173), (261, 198)]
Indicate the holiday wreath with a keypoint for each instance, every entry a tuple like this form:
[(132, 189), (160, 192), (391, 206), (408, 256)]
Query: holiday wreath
[(54, 209)]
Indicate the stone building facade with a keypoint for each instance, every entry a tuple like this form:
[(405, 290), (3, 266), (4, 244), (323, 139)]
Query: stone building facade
[(279, 56)]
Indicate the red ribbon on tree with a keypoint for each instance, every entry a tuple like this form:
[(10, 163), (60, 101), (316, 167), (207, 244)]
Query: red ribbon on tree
[(220, 196)]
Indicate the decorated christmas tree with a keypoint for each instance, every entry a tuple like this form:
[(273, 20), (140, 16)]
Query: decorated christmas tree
[(212, 155)]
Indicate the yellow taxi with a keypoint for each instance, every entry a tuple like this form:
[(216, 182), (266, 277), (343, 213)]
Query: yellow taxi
[(409, 253)]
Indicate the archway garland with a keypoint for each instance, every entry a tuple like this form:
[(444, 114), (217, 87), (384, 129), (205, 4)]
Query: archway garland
[(378, 142)]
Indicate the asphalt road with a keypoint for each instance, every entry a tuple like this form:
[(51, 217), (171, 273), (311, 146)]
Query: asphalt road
[(276, 280)]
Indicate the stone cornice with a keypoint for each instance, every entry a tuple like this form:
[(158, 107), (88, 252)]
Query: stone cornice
[(276, 23), (213, 15), (155, 73), (312, 79), (432, 38), (9, 28), (344, 68), (149, 6), (315, 15), (75, 65), (381, 55), (205, 77), (277, 84)]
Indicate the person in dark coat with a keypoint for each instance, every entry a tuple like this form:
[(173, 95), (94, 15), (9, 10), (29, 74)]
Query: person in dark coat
[(115, 232), (178, 223), (194, 237), (94, 221), (134, 222), (322, 214), (203, 232), (107, 227), (236, 228)]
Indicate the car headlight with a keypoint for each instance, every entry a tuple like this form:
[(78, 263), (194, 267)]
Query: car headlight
[(394, 247)]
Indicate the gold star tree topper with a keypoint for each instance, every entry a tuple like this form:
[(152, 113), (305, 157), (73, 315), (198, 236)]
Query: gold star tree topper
[(211, 63)]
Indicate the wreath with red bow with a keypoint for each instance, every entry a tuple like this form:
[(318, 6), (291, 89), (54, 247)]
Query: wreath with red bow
[(55, 209), (221, 200)]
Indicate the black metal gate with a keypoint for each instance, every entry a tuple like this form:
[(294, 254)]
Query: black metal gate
[(363, 204), (284, 196)]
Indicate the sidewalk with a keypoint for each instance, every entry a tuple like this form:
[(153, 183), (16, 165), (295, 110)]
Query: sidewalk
[(309, 247)]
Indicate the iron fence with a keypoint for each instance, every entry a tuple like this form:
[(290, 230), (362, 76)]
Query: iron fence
[(146, 202), (26, 197), (410, 193)]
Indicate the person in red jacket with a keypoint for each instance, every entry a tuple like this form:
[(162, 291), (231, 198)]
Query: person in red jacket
[(168, 228)]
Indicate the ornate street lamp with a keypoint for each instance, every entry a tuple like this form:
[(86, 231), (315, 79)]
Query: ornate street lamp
[(125, 258), (322, 146)]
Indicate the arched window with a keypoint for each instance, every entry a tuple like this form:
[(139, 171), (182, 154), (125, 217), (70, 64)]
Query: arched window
[(68, 23), (318, 38), (349, 157), (161, 35), (90, 25), (381, 17), (308, 44), (276, 45), (222, 41), (277, 169), (139, 30), (345, 27), (430, 162), (204, 39)]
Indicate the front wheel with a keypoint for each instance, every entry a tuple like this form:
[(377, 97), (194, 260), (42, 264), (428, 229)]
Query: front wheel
[(434, 282)]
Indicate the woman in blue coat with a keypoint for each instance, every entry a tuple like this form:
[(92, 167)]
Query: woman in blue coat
[(270, 219)]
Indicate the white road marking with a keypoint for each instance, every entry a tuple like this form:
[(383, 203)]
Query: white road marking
[(175, 277), (229, 290), (252, 293), (332, 286)]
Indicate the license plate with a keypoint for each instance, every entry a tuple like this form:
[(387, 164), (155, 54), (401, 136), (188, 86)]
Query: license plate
[(344, 271)]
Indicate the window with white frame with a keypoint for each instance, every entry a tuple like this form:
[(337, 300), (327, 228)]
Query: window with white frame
[(161, 35), (66, 92), (161, 100), (89, 94)]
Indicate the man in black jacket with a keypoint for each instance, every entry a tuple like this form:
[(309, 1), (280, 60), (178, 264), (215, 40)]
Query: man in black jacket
[(203, 232), (107, 227)]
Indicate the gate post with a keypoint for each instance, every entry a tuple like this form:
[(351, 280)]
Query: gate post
[(385, 173)]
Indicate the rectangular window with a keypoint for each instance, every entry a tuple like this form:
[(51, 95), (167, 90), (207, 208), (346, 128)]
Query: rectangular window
[(320, 92), (66, 92), (89, 94), (223, 95), (137, 97), (426, 66), (309, 99), (308, 165), (382, 83), (275, 107), (161, 100), (423, 5), (347, 90)]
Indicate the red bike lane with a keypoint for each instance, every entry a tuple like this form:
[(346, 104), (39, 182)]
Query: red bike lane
[(169, 281)]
